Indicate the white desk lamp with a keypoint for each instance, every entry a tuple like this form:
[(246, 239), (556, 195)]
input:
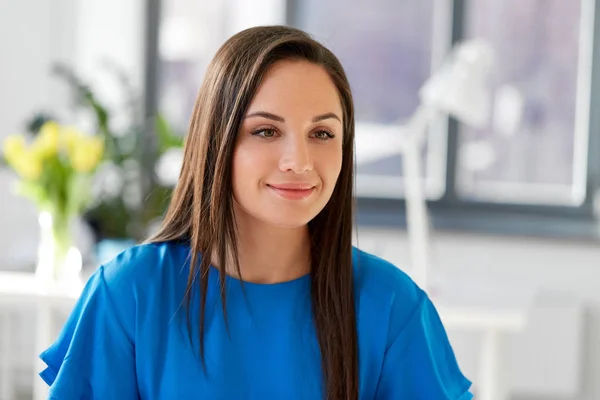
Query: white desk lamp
[(460, 88)]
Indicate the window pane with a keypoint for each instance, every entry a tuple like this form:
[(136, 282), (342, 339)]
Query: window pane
[(385, 48), (527, 153)]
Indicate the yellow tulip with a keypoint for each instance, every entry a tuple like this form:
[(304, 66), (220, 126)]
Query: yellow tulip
[(46, 143), (70, 137), (28, 166), (87, 153), (96, 149), (14, 147)]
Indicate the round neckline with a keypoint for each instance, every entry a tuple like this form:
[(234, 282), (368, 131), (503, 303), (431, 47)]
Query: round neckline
[(291, 282)]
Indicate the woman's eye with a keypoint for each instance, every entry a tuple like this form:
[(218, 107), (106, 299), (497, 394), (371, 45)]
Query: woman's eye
[(267, 133), (324, 135)]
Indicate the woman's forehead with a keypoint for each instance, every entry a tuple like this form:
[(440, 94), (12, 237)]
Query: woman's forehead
[(294, 86)]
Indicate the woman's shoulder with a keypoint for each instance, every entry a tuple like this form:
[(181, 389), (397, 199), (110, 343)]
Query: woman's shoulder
[(385, 291), (417, 348), (119, 300), (376, 275), (141, 264)]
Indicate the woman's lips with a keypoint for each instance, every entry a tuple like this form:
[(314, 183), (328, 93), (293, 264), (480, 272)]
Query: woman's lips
[(293, 191)]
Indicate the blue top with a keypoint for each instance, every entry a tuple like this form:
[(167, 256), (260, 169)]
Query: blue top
[(127, 337)]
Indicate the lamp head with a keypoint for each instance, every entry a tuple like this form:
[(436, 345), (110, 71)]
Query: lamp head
[(461, 87)]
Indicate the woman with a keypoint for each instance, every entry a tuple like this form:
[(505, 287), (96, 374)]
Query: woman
[(251, 288)]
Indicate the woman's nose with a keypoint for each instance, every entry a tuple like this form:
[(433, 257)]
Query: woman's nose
[(296, 156)]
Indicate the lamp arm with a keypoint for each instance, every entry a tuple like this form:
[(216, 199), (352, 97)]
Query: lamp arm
[(419, 122), (416, 204)]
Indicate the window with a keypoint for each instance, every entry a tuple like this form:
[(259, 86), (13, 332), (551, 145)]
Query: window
[(536, 150)]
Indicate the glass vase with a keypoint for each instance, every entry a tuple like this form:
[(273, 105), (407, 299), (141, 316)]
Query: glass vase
[(59, 260)]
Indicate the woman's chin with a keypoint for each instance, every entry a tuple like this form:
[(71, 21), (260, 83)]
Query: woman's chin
[(289, 222), (281, 215)]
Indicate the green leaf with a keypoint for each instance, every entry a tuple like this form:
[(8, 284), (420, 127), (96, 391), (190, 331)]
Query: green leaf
[(33, 192)]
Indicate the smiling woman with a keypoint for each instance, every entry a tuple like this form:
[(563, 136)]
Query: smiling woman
[(257, 245)]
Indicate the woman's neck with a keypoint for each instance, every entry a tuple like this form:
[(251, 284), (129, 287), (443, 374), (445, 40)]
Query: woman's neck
[(270, 254)]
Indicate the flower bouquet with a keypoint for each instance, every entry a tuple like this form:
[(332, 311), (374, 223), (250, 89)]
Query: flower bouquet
[(55, 172)]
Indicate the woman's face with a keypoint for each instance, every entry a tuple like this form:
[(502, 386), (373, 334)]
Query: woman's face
[(288, 153)]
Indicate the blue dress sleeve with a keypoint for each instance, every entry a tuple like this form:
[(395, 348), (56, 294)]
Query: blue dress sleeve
[(93, 357), (419, 362)]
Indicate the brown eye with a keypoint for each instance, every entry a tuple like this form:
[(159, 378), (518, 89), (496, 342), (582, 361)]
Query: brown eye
[(266, 133), (324, 135)]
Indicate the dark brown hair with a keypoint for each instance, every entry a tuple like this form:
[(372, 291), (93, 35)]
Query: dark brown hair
[(201, 209)]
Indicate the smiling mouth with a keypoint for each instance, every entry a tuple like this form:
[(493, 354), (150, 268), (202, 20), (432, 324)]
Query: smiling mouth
[(293, 191)]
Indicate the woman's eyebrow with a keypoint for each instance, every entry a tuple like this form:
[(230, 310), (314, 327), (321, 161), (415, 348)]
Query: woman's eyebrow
[(326, 116), (278, 118), (266, 115)]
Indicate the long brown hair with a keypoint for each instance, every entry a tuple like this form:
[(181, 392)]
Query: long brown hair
[(201, 210)]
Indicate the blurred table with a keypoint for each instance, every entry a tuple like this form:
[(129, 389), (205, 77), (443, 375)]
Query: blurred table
[(17, 290), (495, 324), (491, 311)]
